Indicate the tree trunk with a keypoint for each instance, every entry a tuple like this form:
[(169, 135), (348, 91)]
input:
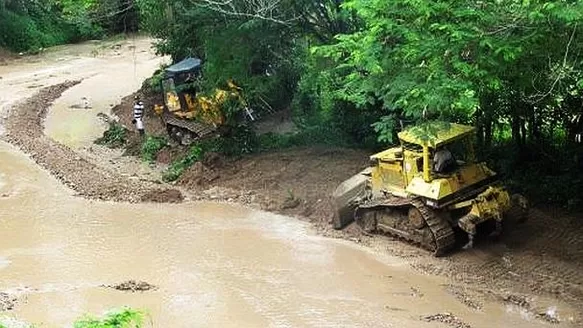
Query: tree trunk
[(516, 129), (523, 133), (480, 129), (488, 132)]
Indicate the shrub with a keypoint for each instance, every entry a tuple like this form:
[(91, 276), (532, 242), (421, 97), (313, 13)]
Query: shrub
[(114, 137), (124, 318), (152, 146), (195, 154)]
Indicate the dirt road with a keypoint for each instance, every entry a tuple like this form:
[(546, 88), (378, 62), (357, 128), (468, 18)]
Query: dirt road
[(215, 264)]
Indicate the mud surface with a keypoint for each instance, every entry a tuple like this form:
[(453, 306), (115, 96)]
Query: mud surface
[(212, 264)]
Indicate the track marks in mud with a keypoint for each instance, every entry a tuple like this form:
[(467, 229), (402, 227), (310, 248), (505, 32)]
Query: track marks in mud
[(24, 130), (545, 255), (463, 296)]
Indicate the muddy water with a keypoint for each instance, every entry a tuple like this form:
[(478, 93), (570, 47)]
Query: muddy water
[(110, 70), (215, 265), (110, 77)]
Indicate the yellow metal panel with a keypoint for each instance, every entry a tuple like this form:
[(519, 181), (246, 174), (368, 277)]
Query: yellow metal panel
[(439, 188), (491, 204), (455, 132), (413, 164), (389, 154), (387, 176)]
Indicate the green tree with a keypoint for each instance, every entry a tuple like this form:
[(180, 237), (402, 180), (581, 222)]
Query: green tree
[(456, 59)]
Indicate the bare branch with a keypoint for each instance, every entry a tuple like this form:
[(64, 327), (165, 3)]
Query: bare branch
[(561, 70), (267, 10)]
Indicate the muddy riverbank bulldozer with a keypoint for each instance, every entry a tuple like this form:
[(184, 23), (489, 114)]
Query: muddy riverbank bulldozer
[(188, 115), (407, 194)]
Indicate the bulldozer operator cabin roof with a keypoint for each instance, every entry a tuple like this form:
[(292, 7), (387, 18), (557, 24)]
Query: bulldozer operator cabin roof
[(436, 135)]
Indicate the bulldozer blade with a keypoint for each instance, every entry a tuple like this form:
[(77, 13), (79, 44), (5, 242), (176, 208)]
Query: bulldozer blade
[(346, 197)]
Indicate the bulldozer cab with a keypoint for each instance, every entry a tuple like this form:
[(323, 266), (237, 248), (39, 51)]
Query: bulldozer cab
[(435, 167), (442, 153), (178, 81)]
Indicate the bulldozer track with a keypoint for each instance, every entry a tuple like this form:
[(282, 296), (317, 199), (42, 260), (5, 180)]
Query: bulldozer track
[(443, 234), (201, 130)]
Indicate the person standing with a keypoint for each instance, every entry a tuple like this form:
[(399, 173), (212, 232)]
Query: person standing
[(139, 115)]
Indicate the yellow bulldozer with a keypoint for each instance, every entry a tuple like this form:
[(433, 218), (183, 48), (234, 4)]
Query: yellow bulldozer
[(188, 115), (429, 191)]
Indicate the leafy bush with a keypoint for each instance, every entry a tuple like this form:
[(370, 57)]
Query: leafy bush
[(114, 137), (195, 154), (23, 33), (153, 83), (121, 318), (237, 141), (306, 137), (125, 318), (320, 111), (152, 146)]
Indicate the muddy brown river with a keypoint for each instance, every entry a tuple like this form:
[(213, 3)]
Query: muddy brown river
[(214, 265)]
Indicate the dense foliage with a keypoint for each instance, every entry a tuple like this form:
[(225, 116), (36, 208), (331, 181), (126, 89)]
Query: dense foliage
[(30, 25), (358, 69)]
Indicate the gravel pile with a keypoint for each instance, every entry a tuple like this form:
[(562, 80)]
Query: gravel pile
[(132, 286), (7, 302), (448, 319)]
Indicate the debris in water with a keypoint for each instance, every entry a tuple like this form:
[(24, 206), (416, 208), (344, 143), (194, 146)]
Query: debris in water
[(85, 104), (7, 302), (446, 318), (520, 301), (415, 292), (461, 295), (550, 315), (132, 286)]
